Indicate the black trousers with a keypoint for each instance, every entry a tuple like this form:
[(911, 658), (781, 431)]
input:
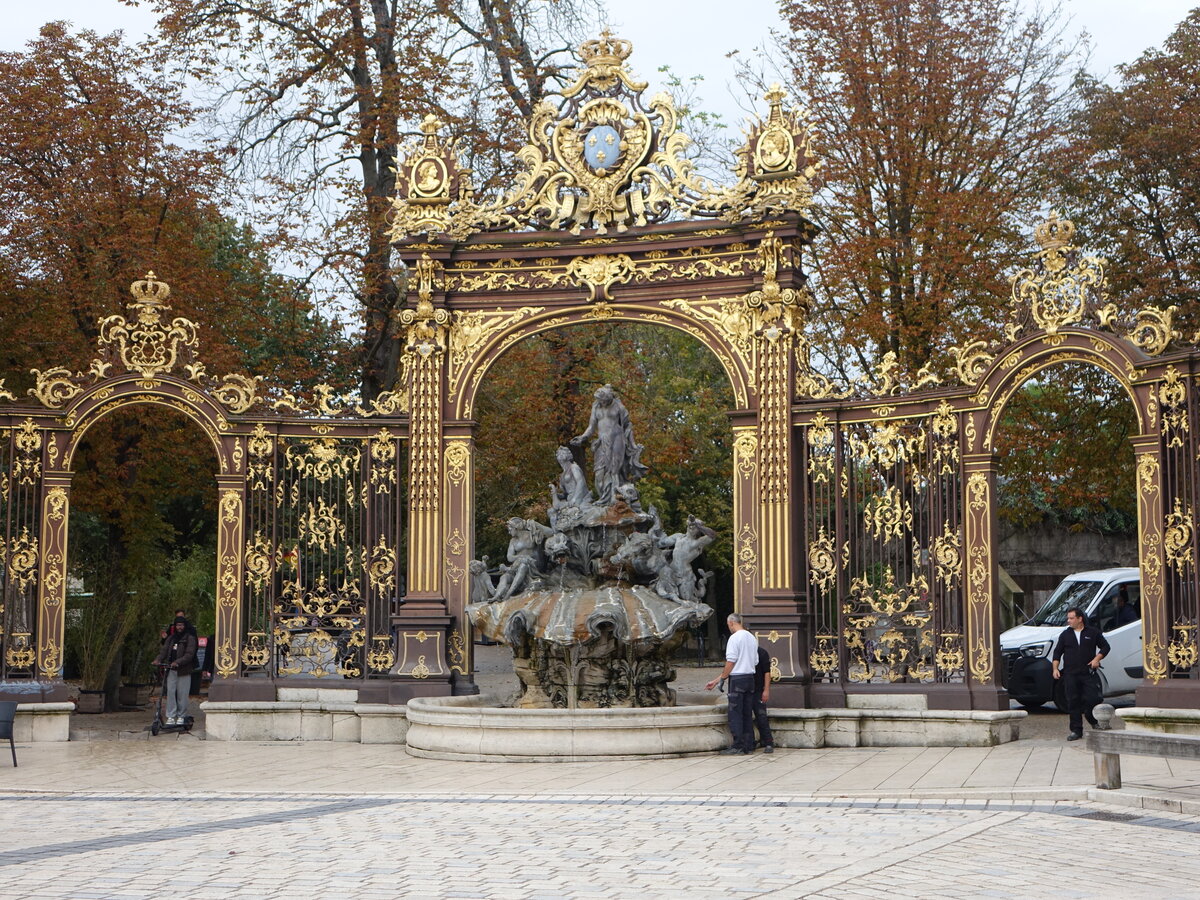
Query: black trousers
[(1083, 693), (762, 721), (741, 711)]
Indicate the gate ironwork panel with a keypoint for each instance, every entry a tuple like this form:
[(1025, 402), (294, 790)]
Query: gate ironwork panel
[(322, 520), (884, 558), (1180, 453), (900, 489), (21, 450)]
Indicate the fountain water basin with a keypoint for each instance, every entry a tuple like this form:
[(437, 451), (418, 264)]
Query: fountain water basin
[(479, 729)]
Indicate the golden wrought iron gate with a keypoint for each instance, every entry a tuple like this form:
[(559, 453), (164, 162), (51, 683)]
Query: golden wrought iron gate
[(864, 521), (309, 510), (900, 496)]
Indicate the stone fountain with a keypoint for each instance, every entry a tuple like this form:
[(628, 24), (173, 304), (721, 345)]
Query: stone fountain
[(593, 604)]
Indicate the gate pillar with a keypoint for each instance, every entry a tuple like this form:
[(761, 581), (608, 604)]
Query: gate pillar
[(52, 577), (982, 614), (231, 526), (777, 610), (1155, 629), (422, 624), (459, 461)]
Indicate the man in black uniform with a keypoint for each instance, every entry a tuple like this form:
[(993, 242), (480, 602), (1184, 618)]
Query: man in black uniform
[(762, 695), (1080, 647)]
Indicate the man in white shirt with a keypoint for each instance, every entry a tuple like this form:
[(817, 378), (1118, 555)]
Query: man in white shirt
[(741, 656)]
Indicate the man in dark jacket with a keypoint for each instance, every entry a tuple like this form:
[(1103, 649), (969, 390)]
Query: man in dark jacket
[(178, 655), (1080, 648), (762, 695)]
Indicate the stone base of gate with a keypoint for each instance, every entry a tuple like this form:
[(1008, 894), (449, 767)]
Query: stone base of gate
[(306, 715), (478, 729), (1162, 721), (42, 722), (817, 728)]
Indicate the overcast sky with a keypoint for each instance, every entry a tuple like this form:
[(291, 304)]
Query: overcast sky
[(691, 36)]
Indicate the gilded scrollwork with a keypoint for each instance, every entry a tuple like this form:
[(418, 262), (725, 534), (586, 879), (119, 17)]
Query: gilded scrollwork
[(237, 393), (148, 345), (321, 527), (599, 273), (1172, 394), (1065, 286), (255, 652), (887, 514), (971, 361), (260, 563), (1178, 537), (820, 449), (260, 472), (1182, 651), (950, 657), (383, 461), (458, 457), (824, 659), (947, 556), (382, 656), (27, 437), (382, 569), (23, 559), (54, 387), (747, 553), (822, 562), (943, 429)]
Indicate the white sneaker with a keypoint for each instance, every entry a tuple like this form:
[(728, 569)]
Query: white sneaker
[(172, 721)]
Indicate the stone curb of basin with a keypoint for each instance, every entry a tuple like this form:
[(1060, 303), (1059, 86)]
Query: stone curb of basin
[(479, 729)]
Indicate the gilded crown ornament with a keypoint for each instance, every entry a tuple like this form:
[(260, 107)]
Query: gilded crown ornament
[(607, 50), (605, 159), (1055, 233)]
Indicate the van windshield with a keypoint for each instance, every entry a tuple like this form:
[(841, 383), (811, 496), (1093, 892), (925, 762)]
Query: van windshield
[(1068, 594)]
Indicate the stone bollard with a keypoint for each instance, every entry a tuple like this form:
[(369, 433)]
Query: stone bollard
[(1104, 713)]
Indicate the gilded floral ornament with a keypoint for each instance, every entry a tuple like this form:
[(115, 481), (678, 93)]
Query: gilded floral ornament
[(605, 159)]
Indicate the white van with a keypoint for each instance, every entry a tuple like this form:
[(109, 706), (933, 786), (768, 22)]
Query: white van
[(1026, 649)]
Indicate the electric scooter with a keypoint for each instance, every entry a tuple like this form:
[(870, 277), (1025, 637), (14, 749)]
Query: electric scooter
[(160, 719)]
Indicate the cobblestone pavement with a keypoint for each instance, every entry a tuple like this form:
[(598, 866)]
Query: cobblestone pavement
[(120, 845)]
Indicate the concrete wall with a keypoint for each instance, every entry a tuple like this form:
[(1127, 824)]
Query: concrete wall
[(1039, 558)]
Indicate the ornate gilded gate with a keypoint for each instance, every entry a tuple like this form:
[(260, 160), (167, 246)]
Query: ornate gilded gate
[(309, 510), (900, 491), (864, 517)]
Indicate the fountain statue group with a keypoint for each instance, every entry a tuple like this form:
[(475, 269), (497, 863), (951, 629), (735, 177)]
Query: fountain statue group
[(593, 604)]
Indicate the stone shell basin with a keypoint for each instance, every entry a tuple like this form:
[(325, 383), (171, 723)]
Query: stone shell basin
[(636, 614), (478, 729)]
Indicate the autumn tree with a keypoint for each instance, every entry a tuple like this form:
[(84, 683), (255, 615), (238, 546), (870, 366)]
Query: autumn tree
[(933, 119), (1064, 453), (319, 95), (95, 192), (1131, 176)]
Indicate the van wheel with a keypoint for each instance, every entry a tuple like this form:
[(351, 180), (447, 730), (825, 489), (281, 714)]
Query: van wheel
[(1060, 696), (1031, 706)]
